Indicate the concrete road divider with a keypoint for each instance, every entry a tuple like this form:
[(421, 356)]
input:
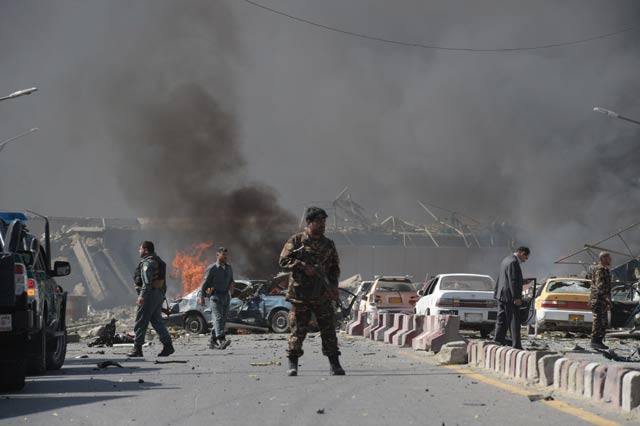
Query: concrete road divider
[(387, 323), (357, 325), (437, 330), (413, 328), (374, 320), (397, 324)]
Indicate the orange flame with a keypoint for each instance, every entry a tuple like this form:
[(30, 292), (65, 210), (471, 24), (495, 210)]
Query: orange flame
[(190, 267)]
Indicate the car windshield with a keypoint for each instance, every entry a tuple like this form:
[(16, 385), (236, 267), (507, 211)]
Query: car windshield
[(569, 286), (466, 283), (394, 286)]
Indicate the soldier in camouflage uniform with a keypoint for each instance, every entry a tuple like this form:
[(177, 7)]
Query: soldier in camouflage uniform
[(313, 262), (600, 300)]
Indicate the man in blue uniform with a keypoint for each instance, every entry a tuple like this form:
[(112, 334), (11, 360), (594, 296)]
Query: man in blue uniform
[(218, 280), (152, 271)]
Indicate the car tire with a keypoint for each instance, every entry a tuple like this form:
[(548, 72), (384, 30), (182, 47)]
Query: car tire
[(280, 321), (37, 359), (57, 351), (195, 324)]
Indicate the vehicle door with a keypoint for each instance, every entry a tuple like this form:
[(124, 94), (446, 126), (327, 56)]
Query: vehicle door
[(46, 284), (431, 295), (624, 300)]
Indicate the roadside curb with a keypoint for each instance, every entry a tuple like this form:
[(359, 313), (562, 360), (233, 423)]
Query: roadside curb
[(617, 386)]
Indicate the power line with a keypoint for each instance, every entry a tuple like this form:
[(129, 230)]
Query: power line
[(436, 47)]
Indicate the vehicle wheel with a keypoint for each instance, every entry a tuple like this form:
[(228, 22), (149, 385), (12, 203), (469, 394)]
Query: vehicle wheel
[(37, 358), (485, 332), (280, 322), (57, 352), (195, 324), (13, 375)]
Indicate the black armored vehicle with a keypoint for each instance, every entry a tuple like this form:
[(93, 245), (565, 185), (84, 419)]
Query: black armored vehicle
[(33, 334)]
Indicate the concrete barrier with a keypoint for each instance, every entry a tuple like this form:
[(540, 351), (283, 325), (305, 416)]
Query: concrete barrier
[(373, 321), (437, 331), (412, 326), (631, 391), (397, 324), (387, 323), (357, 325), (616, 385)]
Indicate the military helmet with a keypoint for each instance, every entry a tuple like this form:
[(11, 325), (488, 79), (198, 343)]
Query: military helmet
[(315, 213)]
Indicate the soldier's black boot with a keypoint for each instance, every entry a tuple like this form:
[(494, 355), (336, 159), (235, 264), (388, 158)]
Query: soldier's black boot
[(223, 343), (167, 350), (596, 343), (136, 352), (293, 366), (336, 369)]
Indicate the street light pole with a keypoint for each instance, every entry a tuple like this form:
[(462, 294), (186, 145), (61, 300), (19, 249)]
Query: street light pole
[(19, 93), (613, 114), (6, 142)]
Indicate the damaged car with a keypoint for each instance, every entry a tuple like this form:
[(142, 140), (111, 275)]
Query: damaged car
[(390, 294), (469, 296), (257, 305), (563, 304)]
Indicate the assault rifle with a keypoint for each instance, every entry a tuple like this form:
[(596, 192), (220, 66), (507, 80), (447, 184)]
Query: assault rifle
[(303, 256)]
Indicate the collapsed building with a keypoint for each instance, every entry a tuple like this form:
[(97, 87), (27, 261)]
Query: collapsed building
[(103, 252), (372, 244)]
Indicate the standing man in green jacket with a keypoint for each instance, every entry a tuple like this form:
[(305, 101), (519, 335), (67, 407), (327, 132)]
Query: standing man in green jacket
[(313, 262), (218, 279)]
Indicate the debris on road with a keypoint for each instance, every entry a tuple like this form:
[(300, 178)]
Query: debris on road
[(320, 411), (265, 363), (174, 361), (82, 356), (105, 364), (539, 397)]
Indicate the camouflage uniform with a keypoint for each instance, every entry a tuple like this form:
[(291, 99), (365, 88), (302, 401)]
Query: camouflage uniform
[(600, 300), (311, 294)]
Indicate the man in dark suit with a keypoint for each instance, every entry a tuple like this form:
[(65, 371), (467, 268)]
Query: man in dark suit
[(508, 293)]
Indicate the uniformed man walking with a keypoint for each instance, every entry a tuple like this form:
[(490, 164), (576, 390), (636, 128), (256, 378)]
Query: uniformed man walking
[(218, 279), (600, 300), (151, 276), (313, 262)]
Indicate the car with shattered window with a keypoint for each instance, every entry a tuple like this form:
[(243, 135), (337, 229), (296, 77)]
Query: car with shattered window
[(257, 305), (563, 304), (469, 296), (33, 334), (390, 294)]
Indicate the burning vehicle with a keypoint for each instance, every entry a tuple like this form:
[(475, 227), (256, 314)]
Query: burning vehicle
[(257, 305)]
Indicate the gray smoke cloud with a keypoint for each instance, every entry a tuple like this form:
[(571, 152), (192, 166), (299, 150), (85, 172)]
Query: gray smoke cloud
[(506, 136)]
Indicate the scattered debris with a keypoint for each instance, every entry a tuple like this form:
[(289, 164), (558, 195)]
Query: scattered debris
[(140, 381), (105, 364), (82, 356), (265, 363), (320, 411), (539, 397), (474, 404), (174, 361)]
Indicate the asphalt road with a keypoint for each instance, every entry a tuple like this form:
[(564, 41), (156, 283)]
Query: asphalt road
[(384, 385)]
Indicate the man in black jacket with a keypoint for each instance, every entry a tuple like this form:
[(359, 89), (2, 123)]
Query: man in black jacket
[(508, 293)]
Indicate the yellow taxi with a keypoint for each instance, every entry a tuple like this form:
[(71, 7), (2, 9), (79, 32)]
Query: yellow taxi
[(563, 304)]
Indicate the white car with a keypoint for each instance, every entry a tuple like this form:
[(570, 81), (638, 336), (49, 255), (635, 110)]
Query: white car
[(468, 296)]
